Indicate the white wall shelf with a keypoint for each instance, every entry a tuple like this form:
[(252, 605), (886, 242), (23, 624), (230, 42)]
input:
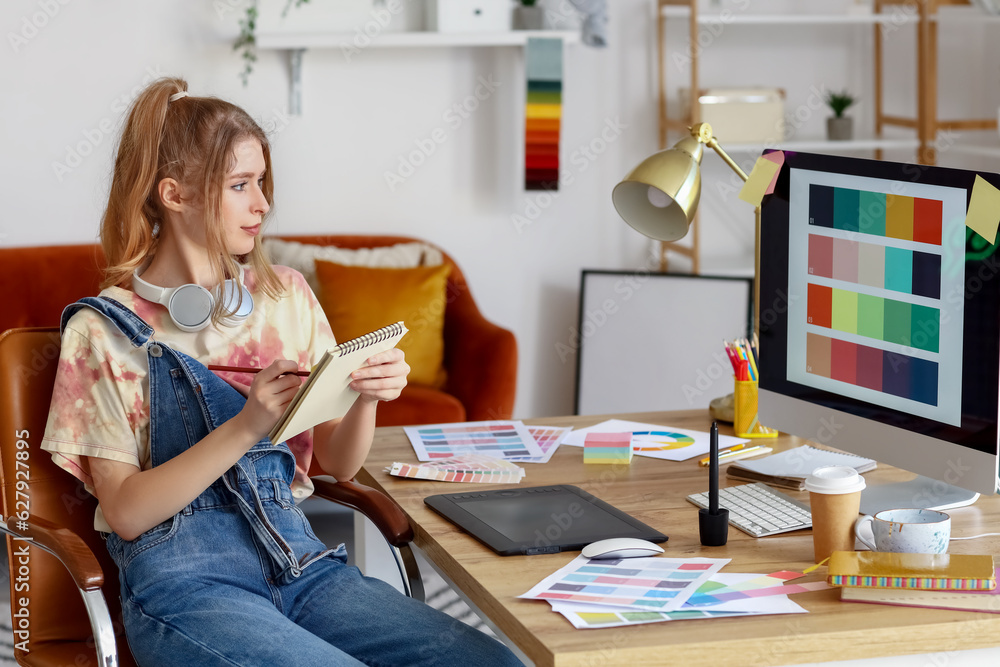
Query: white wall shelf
[(296, 44), (320, 40), (826, 145)]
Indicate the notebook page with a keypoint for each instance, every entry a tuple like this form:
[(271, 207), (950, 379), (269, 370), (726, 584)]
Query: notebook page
[(801, 461), (327, 394)]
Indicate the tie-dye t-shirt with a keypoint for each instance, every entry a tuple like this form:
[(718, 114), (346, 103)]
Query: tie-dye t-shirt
[(99, 402)]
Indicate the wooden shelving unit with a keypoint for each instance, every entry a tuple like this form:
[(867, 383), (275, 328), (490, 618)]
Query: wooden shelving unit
[(924, 15)]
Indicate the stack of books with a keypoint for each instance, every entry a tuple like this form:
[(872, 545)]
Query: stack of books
[(942, 581)]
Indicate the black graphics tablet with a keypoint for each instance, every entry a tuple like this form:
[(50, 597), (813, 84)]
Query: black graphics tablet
[(538, 520)]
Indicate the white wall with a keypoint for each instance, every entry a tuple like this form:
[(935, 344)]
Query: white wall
[(64, 85)]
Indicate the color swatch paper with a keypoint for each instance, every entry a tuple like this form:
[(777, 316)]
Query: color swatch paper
[(498, 439), (658, 442), (586, 616), (472, 468), (658, 584), (548, 438)]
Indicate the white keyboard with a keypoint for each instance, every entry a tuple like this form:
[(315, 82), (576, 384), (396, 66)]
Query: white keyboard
[(758, 510)]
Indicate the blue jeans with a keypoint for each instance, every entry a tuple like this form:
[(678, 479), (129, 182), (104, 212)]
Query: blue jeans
[(238, 577)]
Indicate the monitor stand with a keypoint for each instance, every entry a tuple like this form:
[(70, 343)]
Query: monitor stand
[(918, 493)]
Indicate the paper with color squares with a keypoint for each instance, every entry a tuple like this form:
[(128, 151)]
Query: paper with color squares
[(472, 468), (585, 616), (499, 439), (655, 583), (655, 441), (607, 448), (548, 438)]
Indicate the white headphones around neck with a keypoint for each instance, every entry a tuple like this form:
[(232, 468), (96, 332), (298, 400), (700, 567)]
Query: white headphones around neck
[(190, 306)]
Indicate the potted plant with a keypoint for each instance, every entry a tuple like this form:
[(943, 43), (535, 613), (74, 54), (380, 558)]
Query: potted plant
[(839, 127), (529, 16)]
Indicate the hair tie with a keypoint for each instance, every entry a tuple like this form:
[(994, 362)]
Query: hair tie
[(177, 96)]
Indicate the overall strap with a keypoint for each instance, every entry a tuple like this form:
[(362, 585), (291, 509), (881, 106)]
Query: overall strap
[(131, 325)]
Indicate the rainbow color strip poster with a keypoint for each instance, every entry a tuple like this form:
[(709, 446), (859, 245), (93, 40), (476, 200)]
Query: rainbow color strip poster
[(875, 286), (498, 439), (656, 583), (654, 441), (472, 468), (543, 113)]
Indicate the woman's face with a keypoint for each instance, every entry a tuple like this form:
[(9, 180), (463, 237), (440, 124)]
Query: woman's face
[(243, 201)]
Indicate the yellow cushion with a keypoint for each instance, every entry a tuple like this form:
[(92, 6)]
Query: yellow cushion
[(359, 299)]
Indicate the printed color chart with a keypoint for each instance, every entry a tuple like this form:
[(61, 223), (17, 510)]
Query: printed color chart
[(662, 584), (499, 439), (871, 263)]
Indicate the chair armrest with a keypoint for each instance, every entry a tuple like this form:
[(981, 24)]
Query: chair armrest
[(383, 511), (481, 359), (65, 545)]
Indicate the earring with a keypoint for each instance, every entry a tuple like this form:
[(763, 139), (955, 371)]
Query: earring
[(156, 229)]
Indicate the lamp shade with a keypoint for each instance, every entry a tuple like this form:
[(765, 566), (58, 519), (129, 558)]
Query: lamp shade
[(660, 196)]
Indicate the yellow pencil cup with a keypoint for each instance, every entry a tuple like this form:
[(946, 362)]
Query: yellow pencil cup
[(745, 421)]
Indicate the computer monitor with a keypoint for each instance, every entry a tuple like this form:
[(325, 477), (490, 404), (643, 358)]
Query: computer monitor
[(879, 322)]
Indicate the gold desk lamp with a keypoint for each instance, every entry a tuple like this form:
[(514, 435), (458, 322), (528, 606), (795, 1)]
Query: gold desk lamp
[(659, 198)]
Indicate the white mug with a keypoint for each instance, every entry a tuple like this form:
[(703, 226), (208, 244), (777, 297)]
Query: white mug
[(907, 531)]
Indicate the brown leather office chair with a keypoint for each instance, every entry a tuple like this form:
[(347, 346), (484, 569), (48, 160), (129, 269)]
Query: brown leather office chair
[(52, 547)]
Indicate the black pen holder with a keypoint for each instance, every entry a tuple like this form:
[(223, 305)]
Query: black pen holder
[(713, 528)]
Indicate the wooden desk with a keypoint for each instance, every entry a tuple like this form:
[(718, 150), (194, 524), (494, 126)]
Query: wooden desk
[(654, 491)]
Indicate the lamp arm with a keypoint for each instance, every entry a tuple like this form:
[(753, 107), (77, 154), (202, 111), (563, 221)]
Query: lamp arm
[(703, 132), (725, 158)]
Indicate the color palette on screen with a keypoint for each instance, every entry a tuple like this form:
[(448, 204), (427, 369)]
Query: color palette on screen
[(543, 113), (880, 370), (876, 213), (889, 320), (885, 267)]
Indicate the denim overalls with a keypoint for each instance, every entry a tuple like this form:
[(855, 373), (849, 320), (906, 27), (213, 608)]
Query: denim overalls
[(220, 581)]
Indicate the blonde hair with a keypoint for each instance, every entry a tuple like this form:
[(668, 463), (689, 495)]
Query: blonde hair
[(192, 140)]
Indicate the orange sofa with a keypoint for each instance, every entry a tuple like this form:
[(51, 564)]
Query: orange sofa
[(480, 357)]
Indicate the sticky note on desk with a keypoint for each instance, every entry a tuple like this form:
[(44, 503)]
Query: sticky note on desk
[(607, 448), (764, 171), (983, 216)]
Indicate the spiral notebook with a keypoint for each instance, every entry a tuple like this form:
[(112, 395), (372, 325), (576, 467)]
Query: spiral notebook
[(326, 394), (789, 469)]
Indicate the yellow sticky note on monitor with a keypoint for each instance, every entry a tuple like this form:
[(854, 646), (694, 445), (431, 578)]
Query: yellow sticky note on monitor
[(983, 216), (760, 178)]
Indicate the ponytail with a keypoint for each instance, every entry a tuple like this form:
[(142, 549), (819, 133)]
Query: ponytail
[(169, 134)]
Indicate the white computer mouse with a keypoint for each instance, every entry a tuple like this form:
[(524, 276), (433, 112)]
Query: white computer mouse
[(621, 547)]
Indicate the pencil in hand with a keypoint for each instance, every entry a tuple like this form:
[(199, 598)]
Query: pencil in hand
[(241, 369)]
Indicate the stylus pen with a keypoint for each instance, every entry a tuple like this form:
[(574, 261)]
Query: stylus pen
[(240, 369), (713, 470)]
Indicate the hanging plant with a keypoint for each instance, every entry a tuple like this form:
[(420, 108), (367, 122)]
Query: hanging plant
[(246, 43)]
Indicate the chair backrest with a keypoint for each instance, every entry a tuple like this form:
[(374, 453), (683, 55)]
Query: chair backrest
[(59, 630)]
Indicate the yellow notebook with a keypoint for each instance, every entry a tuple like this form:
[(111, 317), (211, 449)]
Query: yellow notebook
[(326, 394), (874, 569)]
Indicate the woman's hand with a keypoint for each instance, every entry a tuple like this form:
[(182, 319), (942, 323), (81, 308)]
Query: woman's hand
[(382, 377), (270, 393)]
